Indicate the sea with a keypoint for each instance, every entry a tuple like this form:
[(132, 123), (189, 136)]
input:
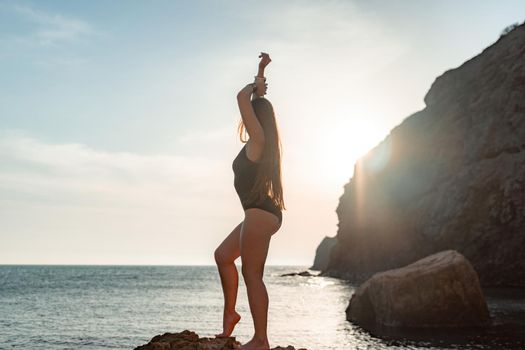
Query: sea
[(121, 307)]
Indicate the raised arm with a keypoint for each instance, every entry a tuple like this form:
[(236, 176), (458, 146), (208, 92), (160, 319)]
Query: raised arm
[(260, 80), (253, 127)]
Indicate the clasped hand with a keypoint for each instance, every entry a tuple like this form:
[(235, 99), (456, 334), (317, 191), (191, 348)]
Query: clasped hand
[(261, 85)]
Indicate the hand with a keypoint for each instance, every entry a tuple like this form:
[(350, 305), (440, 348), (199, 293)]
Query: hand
[(265, 60), (246, 91), (261, 87), (257, 89)]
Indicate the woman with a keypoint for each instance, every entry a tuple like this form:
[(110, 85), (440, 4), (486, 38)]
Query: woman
[(257, 180)]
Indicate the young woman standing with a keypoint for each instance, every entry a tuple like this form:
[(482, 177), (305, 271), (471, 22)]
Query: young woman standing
[(257, 181)]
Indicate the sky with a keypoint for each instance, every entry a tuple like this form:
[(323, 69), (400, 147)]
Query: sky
[(118, 119)]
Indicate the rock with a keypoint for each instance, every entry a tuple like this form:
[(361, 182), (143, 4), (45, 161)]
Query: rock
[(322, 253), (441, 290), (451, 176), (302, 273), (189, 340)]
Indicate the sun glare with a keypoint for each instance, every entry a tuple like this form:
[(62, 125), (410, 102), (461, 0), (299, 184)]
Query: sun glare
[(339, 147)]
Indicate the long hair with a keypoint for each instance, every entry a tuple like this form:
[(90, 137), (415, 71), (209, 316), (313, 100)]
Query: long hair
[(268, 180)]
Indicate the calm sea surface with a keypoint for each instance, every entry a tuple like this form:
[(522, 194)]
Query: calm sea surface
[(120, 307)]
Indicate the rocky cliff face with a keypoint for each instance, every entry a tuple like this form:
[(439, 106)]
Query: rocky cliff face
[(451, 176), (322, 253)]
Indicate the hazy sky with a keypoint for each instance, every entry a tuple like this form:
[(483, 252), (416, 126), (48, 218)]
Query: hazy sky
[(118, 119)]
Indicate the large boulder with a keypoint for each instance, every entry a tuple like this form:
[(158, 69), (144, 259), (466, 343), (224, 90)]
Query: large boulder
[(451, 176), (441, 290)]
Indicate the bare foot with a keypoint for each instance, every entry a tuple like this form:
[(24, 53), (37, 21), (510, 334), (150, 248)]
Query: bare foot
[(229, 320), (256, 344)]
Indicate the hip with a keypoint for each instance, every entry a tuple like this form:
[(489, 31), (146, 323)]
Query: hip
[(267, 205)]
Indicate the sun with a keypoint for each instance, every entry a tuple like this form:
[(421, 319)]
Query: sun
[(338, 148)]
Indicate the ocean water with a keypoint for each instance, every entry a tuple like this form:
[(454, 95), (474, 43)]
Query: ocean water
[(121, 307)]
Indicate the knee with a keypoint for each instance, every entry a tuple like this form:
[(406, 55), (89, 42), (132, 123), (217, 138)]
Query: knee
[(220, 257), (251, 274)]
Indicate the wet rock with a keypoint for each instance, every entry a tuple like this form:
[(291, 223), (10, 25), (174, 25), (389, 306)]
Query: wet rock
[(189, 340), (439, 291), (302, 273)]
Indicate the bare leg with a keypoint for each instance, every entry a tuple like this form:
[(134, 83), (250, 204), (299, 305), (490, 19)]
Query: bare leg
[(256, 232), (225, 256)]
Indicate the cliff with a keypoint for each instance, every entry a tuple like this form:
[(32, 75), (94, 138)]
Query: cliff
[(322, 253), (451, 176)]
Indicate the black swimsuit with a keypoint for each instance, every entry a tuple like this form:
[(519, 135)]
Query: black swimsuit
[(245, 171)]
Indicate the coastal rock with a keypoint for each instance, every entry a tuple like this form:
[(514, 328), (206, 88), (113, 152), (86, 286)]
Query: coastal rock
[(189, 340), (451, 176), (302, 273), (322, 253), (441, 290)]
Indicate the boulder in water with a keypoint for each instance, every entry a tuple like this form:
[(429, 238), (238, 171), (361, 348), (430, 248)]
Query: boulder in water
[(441, 290)]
